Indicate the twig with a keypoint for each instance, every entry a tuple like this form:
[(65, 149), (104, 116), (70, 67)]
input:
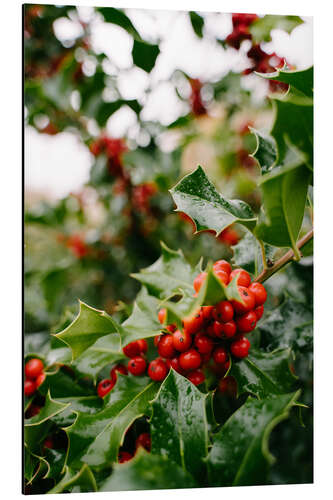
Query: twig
[(287, 257)]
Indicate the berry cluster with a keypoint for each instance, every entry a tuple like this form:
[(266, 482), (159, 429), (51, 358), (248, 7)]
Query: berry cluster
[(34, 376), (213, 334)]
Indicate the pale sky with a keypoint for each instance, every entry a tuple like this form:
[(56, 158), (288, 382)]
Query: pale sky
[(60, 164)]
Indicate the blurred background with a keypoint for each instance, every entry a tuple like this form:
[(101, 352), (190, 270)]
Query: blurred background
[(119, 105)]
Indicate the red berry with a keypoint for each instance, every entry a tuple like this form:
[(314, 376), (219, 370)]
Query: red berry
[(218, 329), (144, 441), (222, 276), (118, 368), (248, 301), (244, 279), (33, 368), (166, 346), (222, 265), (104, 387), (40, 379), (259, 312), (206, 312), (29, 387), (190, 360), (203, 343), (198, 281), (259, 292), (220, 355), (181, 340), (137, 366), (124, 456), (143, 346), (210, 330), (193, 324), (197, 377), (132, 349), (228, 386), (229, 329), (162, 315), (174, 363), (171, 328), (157, 338), (240, 348), (157, 370), (223, 311), (247, 322)]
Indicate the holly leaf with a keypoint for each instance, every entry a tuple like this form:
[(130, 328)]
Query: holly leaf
[(262, 27), (95, 438), (81, 481), (89, 325), (265, 152), (293, 129), (63, 383), (284, 196), (169, 275), (179, 424), (240, 453), (197, 197), (48, 411), (147, 471), (289, 325), (300, 81), (105, 351), (264, 373), (143, 322), (84, 404), (247, 254), (55, 460), (197, 23)]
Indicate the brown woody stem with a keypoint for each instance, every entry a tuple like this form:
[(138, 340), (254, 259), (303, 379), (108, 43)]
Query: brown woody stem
[(287, 257)]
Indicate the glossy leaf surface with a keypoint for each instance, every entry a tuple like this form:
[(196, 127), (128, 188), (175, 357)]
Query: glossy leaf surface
[(240, 452), (179, 424), (95, 438), (262, 374), (147, 471), (90, 325), (197, 197)]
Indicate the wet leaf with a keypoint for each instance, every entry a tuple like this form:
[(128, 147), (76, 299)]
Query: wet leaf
[(197, 197), (264, 373), (95, 438), (89, 325), (76, 482), (147, 471), (240, 453), (179, 424)]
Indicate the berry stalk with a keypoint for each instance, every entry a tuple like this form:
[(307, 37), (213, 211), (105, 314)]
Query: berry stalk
[(287, 257)]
